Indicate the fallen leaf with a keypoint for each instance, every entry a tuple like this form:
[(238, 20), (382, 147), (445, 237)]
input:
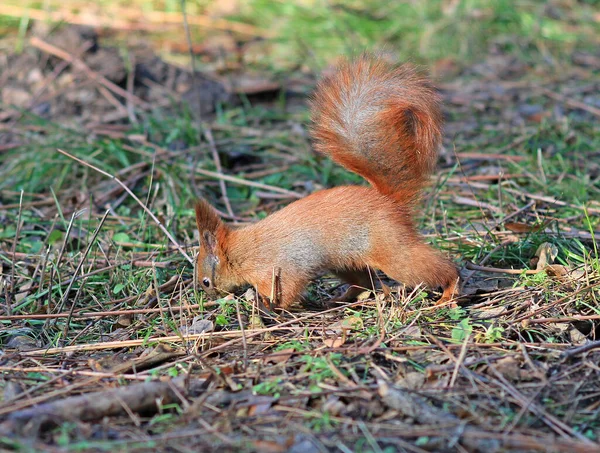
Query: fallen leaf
[(333, 406), (576, 336), (546, 254), (412, 380), (488, 313), (349, 323), (124, 320), (199, 325), (518, 227), (413, 331), (336, 341), (509, 367), (280, 356)]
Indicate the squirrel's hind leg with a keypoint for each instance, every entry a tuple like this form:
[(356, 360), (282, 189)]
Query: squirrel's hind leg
[(425, 265)]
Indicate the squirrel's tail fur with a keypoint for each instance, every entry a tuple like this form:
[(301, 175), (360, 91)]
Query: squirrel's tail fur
[(381, 122)]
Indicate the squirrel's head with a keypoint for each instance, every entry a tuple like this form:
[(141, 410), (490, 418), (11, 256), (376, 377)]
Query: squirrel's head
[(211, 263)]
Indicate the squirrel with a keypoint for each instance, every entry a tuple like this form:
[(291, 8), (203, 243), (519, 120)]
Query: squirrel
[(382, 122)]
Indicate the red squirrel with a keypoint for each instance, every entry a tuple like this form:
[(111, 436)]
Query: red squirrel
[(381, 122)]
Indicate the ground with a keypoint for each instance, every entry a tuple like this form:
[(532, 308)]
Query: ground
[(107, 138)]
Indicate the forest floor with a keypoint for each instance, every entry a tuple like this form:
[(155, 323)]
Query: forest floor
[(106, 140)]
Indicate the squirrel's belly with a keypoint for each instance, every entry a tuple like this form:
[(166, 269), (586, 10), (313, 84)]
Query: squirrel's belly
[(311, 251)]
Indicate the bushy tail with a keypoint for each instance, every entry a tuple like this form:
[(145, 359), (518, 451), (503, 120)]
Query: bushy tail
[(380, 121)]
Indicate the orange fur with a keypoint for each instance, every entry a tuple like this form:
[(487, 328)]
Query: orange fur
[(381, 122)]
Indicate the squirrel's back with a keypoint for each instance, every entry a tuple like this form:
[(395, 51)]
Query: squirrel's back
[(381, 122)]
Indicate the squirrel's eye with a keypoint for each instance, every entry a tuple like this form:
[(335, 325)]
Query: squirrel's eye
[(206, 282)]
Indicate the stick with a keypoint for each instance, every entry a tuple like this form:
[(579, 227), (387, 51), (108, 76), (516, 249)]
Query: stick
[(245, 182), (496, 270), (141, 397)]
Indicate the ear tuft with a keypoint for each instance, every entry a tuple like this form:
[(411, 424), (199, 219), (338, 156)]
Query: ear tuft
[(207, 218)]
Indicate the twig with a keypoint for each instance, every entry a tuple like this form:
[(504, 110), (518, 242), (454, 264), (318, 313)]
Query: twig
[(245, 182), (118, 181), (130, 80), (489, 156), (460, 361), (48, 80), (580, 349), (571, 102), (14, 248), (92, 406), (563, 319), (104, 314), (477, 204), (496, 270), (244, 342)]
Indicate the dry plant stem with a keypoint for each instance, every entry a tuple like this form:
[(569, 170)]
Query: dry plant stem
[(571, 102), (460, 361), (59, 259), (565, 319), (77, 270), (245, 182), (62, 373), (132, 262), (510, 216), (495, 270), (244, 342), (130, 80), (133, 343), (14, 248), (217, 159), (580, 349), (158, 223)]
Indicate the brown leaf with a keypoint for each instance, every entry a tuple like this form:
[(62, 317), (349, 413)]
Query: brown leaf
[(280, 356), (124, 320), (199, 325), (349, 323), (412, 380), (546, 254), (269, 446), (335, 342), (510, 368), (518, 227)]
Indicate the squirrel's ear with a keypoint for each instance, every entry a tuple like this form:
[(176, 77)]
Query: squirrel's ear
[(206, 217), (209, 240)]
